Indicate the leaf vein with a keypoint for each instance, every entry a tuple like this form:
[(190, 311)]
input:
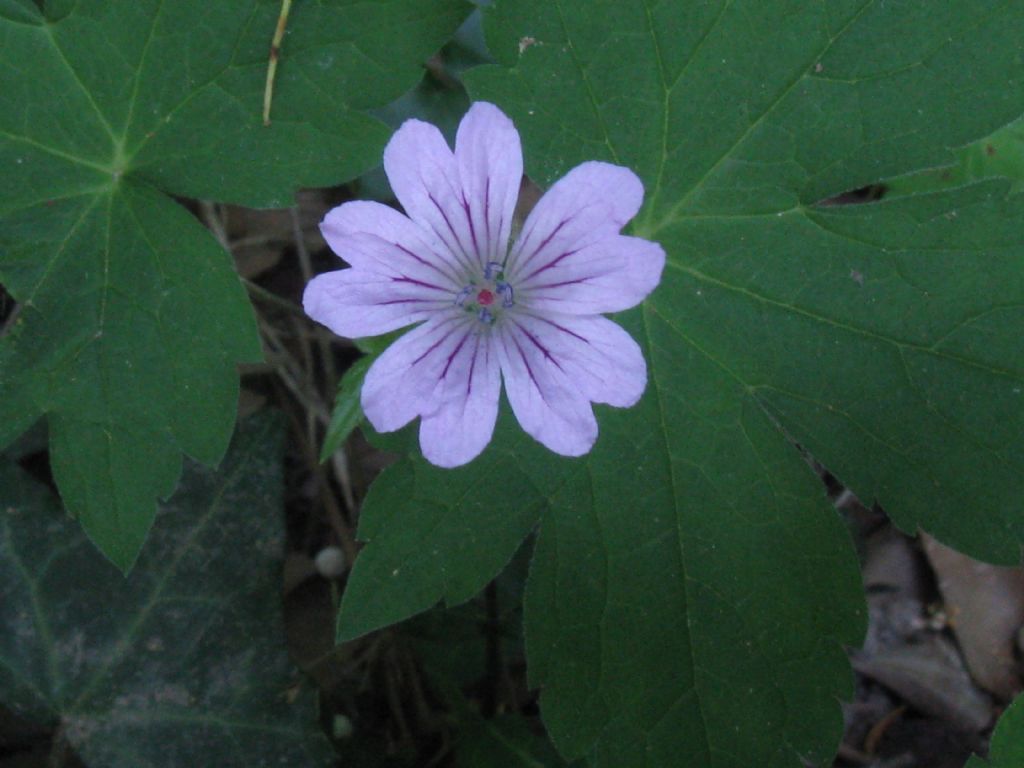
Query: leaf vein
[(801, 75), (697, 274), (680, 536)]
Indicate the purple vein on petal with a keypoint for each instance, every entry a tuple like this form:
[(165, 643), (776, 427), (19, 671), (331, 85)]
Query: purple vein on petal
[(544, 350), (491, 250), (414, 281), (390, 302), (472, 368), (550, 264), (544, 243), (529, 370), (436, 344), (454, 354), (561, 328), (597, 372), (472, 228), (576, 281), (426, 263), (468, 264), (430, 349)]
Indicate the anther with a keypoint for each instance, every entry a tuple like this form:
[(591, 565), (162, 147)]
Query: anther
[(506, 292), (463, 295), (493, 269)]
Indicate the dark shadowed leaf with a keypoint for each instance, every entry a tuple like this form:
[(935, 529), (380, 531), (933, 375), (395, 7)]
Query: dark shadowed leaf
[(183, 663)]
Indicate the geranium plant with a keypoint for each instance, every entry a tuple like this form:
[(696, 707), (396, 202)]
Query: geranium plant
[(644, 273)]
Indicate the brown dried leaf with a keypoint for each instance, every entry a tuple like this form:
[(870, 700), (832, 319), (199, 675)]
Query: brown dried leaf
[(986, 608), (929, 676)]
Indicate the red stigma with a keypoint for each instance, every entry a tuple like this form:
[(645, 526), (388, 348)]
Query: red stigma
[(485, 298)]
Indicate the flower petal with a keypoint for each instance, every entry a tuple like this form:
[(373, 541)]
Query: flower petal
[(421, 168), (490, 162), (462, 427), (388, 239), (610, 275), (463, 199), (597, 355), (545, 400), (593, 201), (372, 256), (356, 302), (410, 378)]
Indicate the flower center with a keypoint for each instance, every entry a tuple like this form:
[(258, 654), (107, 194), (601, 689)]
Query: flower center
[(481, 295)]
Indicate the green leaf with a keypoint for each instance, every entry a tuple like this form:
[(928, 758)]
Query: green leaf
[(441, 535), (183, 662), (374, 345), (736, 120), (439, 98), (505, 741), (691, 590), (124, 381), (348, 413), (999, 155), (131, 320), (1007, 747), (25, 11)]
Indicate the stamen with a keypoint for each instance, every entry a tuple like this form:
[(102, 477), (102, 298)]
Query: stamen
[(506, 291), (482, 299)]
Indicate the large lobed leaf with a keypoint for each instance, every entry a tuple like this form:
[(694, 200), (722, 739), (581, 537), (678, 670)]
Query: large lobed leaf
[(183, 662), (691, 590), (131, 320)]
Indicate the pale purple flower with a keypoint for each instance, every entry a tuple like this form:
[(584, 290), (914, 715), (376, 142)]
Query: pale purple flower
[(528, 315)]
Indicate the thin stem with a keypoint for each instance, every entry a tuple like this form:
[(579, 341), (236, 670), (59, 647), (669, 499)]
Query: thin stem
[(275, 54), (339, 460), (342, 531), (392, 687), (337, 520), (259, 292), (284, 370)]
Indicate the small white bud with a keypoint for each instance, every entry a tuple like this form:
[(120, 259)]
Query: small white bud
[(342, 727), (330, 562)]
